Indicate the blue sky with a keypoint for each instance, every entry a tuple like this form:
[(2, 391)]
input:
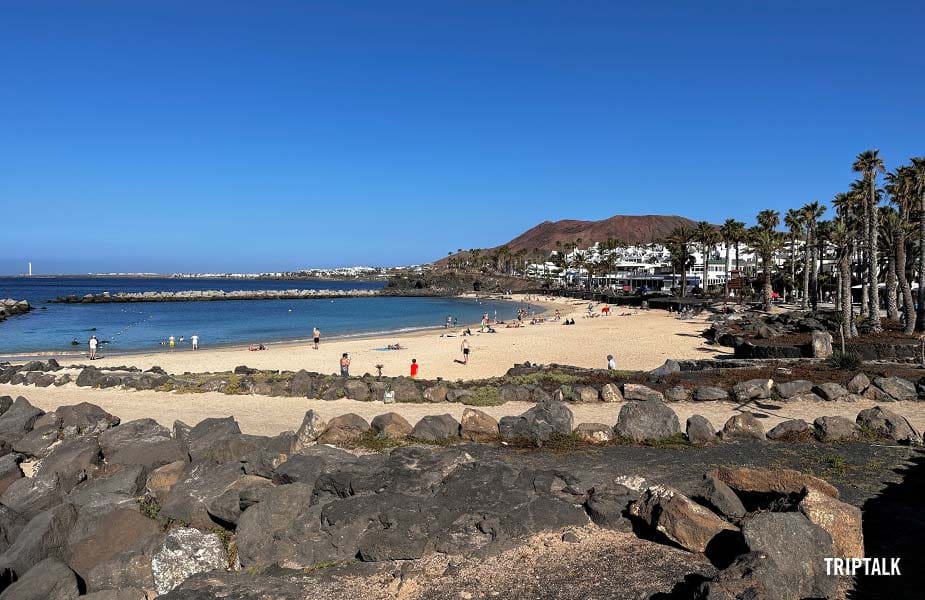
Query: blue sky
[(184, 136)]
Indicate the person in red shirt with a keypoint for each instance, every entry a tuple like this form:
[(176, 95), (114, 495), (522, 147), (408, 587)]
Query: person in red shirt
[(414, 368)]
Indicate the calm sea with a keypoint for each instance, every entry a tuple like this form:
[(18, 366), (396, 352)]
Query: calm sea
[(142, 326)]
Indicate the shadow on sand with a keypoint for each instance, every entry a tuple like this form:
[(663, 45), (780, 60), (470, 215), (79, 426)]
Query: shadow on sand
[(894, 526)]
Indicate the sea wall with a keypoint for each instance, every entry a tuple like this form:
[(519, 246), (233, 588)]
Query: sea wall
[(212, 295), (524, 383)]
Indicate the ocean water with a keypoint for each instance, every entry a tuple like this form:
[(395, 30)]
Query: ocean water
[(143, 326)]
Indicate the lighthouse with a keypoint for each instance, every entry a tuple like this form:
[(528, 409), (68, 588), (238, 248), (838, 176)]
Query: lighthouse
[(30, 269)]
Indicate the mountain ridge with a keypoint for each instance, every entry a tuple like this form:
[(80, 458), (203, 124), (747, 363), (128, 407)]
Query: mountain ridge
[(630, 229)]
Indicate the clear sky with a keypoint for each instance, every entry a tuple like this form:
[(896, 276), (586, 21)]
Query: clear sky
[(228, 135)]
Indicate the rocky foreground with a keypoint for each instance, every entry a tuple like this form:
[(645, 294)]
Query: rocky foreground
[(10, 307), (134, 510)]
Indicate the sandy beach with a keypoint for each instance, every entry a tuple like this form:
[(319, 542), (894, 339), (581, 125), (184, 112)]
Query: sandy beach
[(643, 341)]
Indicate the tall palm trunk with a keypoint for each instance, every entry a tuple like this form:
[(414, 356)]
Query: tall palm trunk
[(844, 275), (793, 267), (814, 276), (728, 266), (807, 257), (892, 285), (920, 312), (909, 316), (767, 291), (862, 275), (873, 273), (817, 268)]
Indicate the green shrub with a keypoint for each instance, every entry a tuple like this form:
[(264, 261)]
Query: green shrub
[(234, 384), (568, 393), (376, 442), (548, 378), (149, 508), (483, 396), (848, 361)]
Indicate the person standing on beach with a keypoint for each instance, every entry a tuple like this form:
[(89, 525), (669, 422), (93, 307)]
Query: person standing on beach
[(465, 351), (94, 344), (414, 368), (345, 365), (195, 341), (316, 336), (611, 363)]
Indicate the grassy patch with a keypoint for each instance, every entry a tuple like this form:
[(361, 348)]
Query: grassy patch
[(837, 465), (483, 396), (621, 375), (234, 385), (565, 442), (869, 434), (149, 508), (559, 442), (847, 361), (376, 442), (541, 379)]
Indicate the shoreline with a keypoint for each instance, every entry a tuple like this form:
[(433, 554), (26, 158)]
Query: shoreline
[(639, 340), (547, 309)]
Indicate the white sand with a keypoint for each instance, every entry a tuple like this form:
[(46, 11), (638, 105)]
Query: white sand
[(640, 341)]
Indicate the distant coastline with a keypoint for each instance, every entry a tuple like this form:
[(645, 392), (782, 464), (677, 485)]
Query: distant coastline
[(369, 279)]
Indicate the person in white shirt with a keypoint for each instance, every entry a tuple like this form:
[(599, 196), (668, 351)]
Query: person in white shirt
[(611, 363), (195, 340), (94, 343)]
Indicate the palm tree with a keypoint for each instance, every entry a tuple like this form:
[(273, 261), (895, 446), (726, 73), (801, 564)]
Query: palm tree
[(503, 255), (822, 236), (858, 201), (843, 235), (889, 226), (811, 213), (869, 163), (918, 174), (768, 219), (793, 221), (475, 256), (729, 232), (678, 243), (901, 186), (766, 241), (708, 237)]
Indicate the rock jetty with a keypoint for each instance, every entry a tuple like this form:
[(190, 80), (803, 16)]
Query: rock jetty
[(10, 307), (210, 295)]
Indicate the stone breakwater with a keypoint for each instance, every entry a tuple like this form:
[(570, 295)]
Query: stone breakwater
[(522, 383), (213, 295), (147, 510), (10, 307)]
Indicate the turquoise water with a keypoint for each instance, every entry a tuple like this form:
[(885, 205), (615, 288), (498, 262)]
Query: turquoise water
[(143, 326)]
